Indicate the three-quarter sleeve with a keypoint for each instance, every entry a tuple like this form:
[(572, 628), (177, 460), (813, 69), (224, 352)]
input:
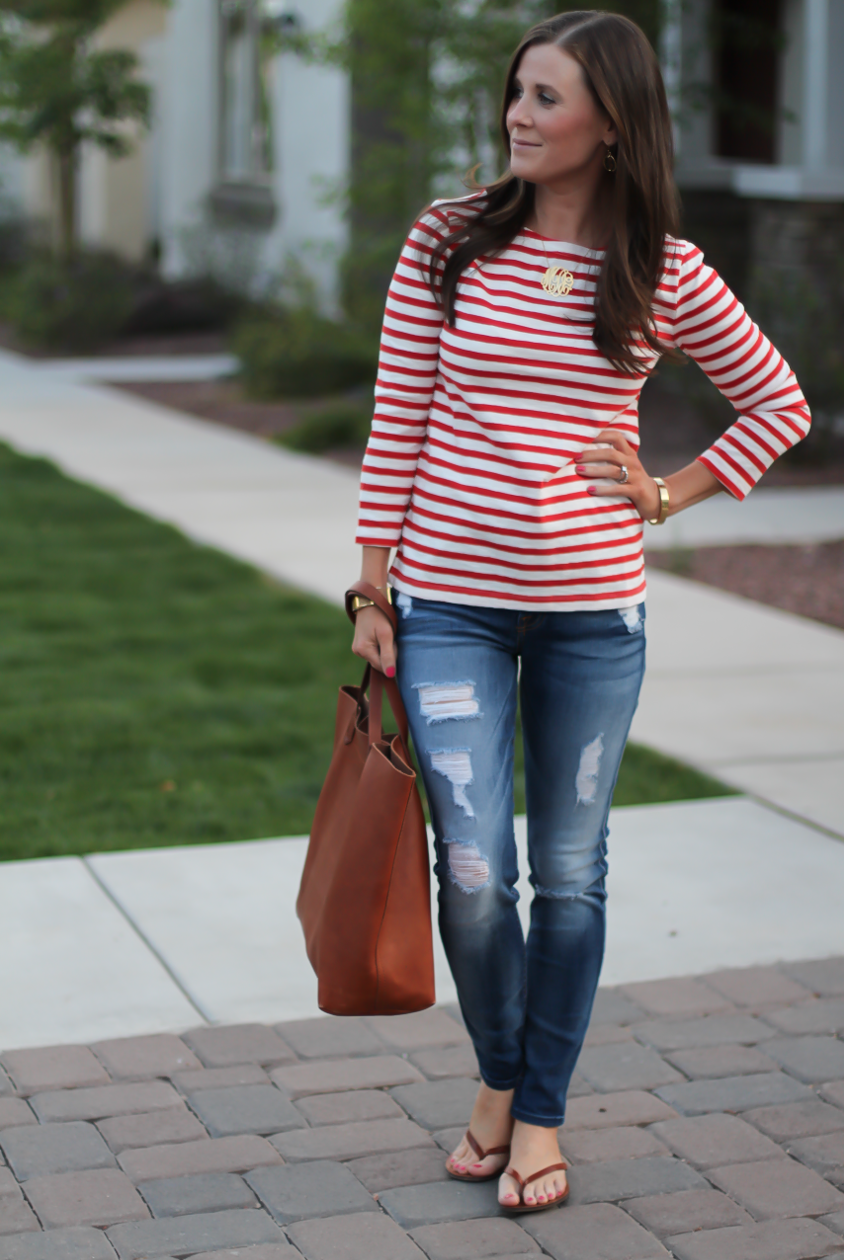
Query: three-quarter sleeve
[(709, 324), (407, 373)]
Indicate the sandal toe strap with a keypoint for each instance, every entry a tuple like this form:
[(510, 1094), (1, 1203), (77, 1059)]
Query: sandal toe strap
[(524, 1181), (480, 1152), (511, 1172)]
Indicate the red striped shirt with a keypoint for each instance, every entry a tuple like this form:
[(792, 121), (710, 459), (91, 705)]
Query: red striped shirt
[(468, 467)]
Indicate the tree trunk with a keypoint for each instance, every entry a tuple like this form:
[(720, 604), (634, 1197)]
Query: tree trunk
[(67, 203)]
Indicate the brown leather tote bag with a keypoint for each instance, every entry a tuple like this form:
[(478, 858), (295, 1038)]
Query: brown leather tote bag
[(365, 899)]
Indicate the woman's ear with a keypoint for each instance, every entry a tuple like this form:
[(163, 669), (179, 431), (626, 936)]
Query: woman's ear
[(610, 136)]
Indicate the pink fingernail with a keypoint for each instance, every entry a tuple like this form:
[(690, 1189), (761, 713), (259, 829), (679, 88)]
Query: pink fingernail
[(578, 468), (390, 671), (591, 489)]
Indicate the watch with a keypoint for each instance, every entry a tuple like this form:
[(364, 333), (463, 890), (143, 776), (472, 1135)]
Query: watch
[(360, 601)]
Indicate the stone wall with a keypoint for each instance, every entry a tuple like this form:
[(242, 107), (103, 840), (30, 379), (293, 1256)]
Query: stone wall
[(746, 239), (785, 261)]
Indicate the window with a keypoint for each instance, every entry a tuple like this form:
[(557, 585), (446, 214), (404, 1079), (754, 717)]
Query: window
[(749, 43)]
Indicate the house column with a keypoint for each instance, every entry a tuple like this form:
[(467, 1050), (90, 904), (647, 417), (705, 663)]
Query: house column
[(671, 60), (815, 83)]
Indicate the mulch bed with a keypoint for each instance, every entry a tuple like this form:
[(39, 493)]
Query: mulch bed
[(808, 580), (128, 347), (224, 402)]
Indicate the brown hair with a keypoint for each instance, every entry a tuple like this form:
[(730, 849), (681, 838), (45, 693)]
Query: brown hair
[(623, 72)]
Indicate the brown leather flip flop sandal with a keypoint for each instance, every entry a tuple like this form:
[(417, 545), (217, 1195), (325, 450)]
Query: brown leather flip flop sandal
[(525, 1181), (481, 1154)]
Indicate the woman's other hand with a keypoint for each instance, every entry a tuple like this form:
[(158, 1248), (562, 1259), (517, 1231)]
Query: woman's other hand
[(374, 640), (607, 465)]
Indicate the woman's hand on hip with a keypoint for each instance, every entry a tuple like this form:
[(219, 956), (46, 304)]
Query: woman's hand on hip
[(374, 640), (609, 464)]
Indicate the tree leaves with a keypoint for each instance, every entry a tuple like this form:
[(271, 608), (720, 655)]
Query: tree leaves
[(426, 86), (58, 89)]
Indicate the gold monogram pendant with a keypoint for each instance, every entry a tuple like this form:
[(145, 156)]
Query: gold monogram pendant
[(557, 281)]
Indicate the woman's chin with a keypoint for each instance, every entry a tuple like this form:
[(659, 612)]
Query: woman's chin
[(523, 168)]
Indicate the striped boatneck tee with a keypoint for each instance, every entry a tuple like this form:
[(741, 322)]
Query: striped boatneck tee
[(468, 470)]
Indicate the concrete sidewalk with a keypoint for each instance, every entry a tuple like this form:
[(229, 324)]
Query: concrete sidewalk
[(146, 941), (753, 695), (747, 692), (135, 367)]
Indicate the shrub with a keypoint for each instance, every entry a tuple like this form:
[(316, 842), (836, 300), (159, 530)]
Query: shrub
[(300, 354), (75, 304), (15, 240), (343, 425), (197, 304)]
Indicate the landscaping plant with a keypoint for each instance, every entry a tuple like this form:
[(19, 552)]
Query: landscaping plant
[(73, 304), (339, 426), (295, 352)]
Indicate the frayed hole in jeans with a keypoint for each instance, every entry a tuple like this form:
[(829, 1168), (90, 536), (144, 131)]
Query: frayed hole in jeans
[(467, 867), (440, 701), (586, 780), (632, 619), (455, 764)]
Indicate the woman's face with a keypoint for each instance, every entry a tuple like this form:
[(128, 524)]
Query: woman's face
[(557, 128)]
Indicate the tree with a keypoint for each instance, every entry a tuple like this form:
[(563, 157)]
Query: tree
[(426, 81), (58, 90)]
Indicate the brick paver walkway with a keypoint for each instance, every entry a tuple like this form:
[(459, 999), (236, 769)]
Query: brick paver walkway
[(706, 1122)]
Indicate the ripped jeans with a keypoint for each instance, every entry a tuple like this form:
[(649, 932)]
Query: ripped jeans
[(526, 1004)]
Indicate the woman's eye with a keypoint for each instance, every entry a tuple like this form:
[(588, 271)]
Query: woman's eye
[(546, 100)]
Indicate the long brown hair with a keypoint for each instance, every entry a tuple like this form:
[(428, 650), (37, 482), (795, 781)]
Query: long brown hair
[(622, 70)]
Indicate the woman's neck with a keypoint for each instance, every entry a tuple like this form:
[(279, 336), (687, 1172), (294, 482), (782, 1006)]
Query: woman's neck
[(579, 215)]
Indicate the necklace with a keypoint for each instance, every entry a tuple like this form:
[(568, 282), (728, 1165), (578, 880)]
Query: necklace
[(557, 280)]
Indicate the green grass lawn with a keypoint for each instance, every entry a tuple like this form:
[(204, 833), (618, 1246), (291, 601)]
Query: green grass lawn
[(155, 692)]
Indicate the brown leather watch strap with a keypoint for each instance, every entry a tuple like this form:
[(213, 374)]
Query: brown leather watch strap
[(378, 598)]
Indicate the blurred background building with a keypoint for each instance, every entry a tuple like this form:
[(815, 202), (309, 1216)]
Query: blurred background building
[(254, 142), (247, 144), (760, 141)]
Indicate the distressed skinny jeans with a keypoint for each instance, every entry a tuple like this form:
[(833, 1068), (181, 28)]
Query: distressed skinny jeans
[(526, 1003)]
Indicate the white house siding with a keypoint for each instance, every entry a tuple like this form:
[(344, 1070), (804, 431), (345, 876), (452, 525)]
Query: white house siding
[(311, 138), (113, 208), (313, 142)]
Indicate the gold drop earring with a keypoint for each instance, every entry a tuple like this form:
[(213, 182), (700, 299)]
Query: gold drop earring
[(610, 163)]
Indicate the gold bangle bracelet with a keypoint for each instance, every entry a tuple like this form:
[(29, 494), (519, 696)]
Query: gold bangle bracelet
[(664, 503)]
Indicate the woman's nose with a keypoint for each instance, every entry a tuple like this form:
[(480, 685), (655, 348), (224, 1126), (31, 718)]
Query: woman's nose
[(517, 116)]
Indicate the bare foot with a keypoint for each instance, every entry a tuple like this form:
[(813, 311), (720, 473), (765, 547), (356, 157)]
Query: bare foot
[(491, 1125), (532, 1148)]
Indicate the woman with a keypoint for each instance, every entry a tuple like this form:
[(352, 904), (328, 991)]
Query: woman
[(520, 326)]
